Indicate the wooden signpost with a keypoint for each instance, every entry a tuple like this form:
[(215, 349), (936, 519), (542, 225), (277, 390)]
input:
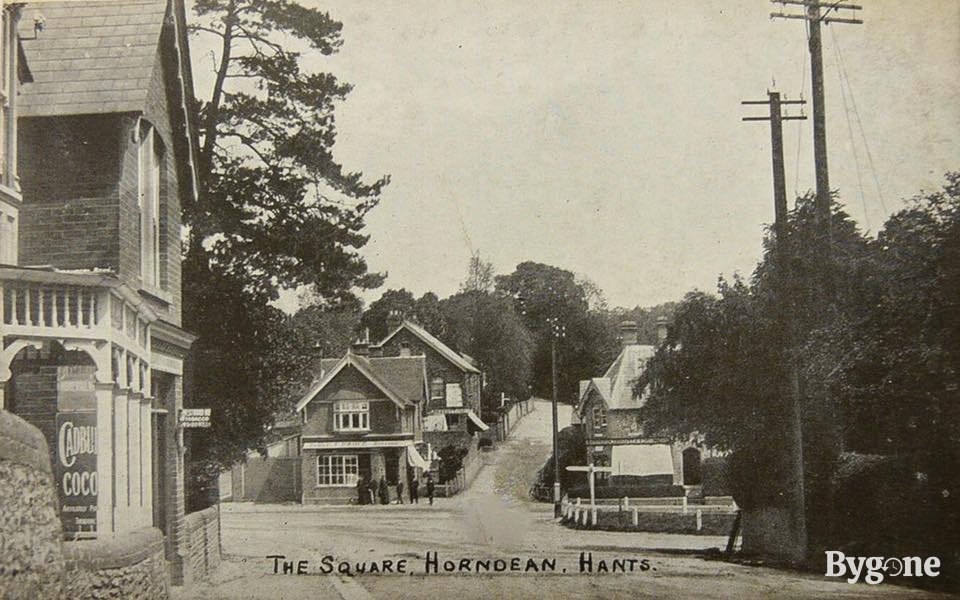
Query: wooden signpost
[(591, 470)]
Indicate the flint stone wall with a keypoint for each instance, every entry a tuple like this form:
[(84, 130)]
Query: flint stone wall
[(128, 566), (31, 550)]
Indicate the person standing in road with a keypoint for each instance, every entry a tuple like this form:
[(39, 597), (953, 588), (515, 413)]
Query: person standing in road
[(430, 487), (399, 492), (415, 491), (372, 490), (361, 490), (384, 492)]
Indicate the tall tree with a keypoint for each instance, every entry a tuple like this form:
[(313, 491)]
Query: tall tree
[(276, 209), (549, 299)]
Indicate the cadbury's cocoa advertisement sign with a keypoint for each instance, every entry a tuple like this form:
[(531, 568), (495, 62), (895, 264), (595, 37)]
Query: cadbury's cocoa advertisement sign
[(77, 472), (76, 462)]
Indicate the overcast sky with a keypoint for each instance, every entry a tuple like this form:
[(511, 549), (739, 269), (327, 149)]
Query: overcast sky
[(605, 137)]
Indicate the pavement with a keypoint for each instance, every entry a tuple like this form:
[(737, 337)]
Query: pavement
[(491, 525)]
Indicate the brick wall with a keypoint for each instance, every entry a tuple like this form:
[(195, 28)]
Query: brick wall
[(202, 544), (69, 169), (170, 397), (268, 480), (158, 112)]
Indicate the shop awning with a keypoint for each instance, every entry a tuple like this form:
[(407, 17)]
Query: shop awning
[(415, 460), (480, 425), (647, 459)]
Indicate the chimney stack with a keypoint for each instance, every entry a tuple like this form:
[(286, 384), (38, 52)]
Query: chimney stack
[(361, 347), (628, 333), (663, 326), (394, 321)]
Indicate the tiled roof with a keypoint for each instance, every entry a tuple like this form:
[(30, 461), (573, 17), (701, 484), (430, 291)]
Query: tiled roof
[(447, 352), (629, 365), (616, 385), (405, 374), (402, 378), (91, 57)]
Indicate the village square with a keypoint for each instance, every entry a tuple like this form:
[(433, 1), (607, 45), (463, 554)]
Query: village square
[(472, 300)]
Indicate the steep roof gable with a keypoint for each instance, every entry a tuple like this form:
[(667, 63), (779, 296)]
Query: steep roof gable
[(95, 57), (401, 379), (90, 57), (445, 351)]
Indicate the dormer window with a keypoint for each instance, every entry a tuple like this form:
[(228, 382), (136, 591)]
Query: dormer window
[(149, 180), (351, 416)]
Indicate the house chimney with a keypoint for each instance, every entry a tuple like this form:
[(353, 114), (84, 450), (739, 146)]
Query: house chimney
[(361, 347), (663, 326), (394, 321), (628, 333)]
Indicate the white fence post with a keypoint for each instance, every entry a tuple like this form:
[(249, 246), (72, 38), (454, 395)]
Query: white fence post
[(684, 505), (593, 515), (699, 519), (636, 517)]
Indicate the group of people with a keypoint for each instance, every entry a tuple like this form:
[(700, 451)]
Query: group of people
[(372, 490)]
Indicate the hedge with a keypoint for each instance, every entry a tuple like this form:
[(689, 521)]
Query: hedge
[(632, 491)]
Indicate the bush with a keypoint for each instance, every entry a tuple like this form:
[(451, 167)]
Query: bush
[(573, 451), (451, 461), (716, 476), (640, 480), (633, 491)]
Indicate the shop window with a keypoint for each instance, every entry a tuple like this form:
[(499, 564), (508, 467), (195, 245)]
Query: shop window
[(352, 416), (337, 470)]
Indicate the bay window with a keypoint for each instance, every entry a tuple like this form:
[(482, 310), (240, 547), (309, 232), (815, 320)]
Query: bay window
[(351, 416), (337, 469)]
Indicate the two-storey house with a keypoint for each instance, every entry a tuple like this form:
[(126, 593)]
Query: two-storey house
[(609, 413), (455, 381), (362, 420), (90, 294)]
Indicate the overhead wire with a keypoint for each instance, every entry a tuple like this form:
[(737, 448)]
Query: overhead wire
[(853, 142), (856, 114)]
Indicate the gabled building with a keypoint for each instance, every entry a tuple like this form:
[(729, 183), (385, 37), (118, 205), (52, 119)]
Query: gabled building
[(609, 413), (456, 382), (98, 158), (362, 419)]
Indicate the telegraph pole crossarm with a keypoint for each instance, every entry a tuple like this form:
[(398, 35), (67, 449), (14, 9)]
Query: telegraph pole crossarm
[(814, 17), (776, 146)]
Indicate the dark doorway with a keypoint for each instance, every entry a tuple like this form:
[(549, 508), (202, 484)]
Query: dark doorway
[(692, 474), (160, 472), (391, 457)]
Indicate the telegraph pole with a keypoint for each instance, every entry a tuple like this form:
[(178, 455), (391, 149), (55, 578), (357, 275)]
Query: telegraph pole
[(791, 387), (814, 17), (776, 119), (556, 434)]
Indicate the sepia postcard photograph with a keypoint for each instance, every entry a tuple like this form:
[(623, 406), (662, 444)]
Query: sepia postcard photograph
[(479, 299)]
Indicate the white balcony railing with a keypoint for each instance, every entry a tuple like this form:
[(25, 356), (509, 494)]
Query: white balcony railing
[(38, 306)]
